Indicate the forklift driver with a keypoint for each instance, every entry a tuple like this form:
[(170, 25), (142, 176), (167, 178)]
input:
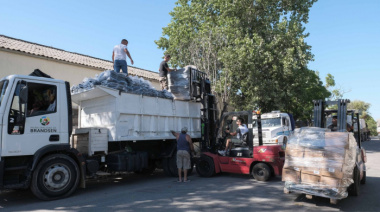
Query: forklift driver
[(334, 126), (240, 133)]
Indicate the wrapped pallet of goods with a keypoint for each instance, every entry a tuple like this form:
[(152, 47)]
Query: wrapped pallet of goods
[(179, 82), (319, 163), (121, 82)]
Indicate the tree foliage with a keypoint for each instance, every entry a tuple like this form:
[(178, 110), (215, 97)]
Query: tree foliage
[(363, 109), (254, 51), (336, 92)]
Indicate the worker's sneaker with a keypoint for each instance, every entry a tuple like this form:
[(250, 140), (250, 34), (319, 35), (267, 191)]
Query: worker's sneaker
[(222, 152)]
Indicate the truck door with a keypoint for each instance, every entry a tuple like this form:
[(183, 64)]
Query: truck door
[(285, 125), (31, 117)]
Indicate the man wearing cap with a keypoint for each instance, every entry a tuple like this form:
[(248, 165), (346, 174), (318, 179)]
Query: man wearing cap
[(184, 145), (164, 69), (119, 57), (240, 133)]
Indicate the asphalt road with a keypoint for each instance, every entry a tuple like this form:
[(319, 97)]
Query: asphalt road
[(224, 192)]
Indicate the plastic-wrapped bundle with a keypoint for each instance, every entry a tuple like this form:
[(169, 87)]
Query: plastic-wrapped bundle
[(179, 83), (120, 81), (310, 137), (325, 171)]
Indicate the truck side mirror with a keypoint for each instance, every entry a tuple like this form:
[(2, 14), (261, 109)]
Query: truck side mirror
[(24, 95)]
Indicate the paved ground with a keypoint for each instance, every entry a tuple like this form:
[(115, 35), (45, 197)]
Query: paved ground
[(224, 192)]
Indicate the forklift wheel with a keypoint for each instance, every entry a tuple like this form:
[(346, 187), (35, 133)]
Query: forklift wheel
[(261, 172), (364, 179), (205, 166), (354, 189)]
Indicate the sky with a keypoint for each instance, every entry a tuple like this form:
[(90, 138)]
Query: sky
[(344, 35)]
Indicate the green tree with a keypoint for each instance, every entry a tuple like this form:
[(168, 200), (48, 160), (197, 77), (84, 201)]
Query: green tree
[(336, 92), (253, 51), (363, 109)]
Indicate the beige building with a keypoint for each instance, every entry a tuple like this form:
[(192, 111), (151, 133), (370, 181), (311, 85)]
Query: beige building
[(22, 57)]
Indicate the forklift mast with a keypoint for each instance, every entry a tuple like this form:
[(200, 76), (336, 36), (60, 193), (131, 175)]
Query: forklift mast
[(320, 114), (200, 90)]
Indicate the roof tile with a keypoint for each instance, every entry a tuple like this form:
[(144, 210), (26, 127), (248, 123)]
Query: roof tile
[(71, 57)]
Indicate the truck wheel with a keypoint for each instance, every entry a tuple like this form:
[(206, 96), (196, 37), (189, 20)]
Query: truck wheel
[(56, 176), (354, 188), (364, 179), (170, 166), (205, 166), (166, 167), (261, 172)]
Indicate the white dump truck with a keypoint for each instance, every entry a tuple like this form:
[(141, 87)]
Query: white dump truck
[(277, 127), (117, 132)]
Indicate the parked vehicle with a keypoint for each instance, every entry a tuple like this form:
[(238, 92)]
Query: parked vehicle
[(277, 127), (118, 132), (364, 131)]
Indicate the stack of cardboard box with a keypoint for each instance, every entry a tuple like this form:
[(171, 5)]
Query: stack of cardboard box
[(322, 170)]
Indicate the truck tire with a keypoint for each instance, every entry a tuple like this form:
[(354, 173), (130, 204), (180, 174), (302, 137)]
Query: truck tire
[(170, 166), (261, 172), (206, 166), (354, 188), (56, 176)]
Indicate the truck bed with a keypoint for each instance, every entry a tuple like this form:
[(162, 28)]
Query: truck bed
[(131, 117)]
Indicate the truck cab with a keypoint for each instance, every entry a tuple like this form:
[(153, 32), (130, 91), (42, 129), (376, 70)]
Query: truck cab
[(277, 127), (35, 128), (34, 114)]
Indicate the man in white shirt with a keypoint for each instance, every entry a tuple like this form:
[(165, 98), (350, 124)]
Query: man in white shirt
[(119, 57), (240, 134)]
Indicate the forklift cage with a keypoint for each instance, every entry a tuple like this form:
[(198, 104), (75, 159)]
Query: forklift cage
[(320, 113)]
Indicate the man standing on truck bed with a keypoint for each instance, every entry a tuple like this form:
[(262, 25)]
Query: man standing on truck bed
[(184, 145), (119, 57), (164, 69)]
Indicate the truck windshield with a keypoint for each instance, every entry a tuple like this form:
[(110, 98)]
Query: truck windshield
[(271, 122), (3, 88)]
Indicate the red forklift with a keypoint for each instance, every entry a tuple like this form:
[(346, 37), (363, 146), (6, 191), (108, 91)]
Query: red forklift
[(262, 162)]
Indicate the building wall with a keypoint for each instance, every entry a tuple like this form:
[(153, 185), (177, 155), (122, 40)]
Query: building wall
[(24, 64)]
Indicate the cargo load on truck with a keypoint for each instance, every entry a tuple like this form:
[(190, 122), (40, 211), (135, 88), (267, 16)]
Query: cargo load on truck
[(320, 163), (180, 82), (121, 82)]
